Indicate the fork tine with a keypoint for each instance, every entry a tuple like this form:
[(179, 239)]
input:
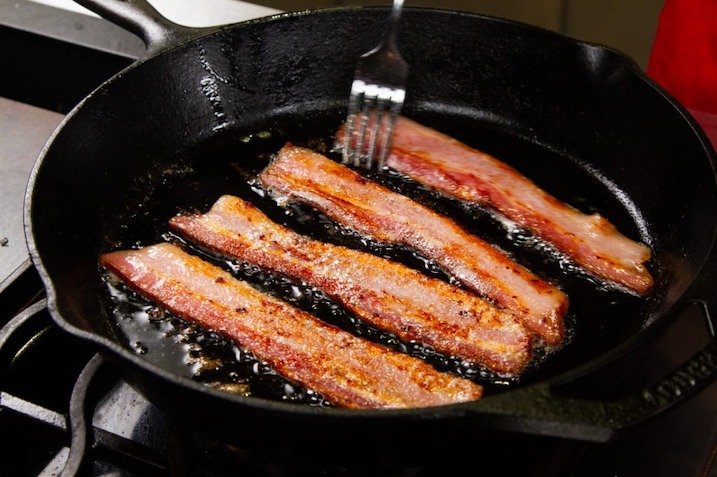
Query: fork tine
[(355, 100), (387, 135), (369, 103), (377, 131)]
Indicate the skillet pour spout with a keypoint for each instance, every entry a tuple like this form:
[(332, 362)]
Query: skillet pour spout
[(170, 132)]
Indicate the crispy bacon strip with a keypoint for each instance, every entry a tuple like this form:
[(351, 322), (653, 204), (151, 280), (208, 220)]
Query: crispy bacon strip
[(345, 369), (371, 209), (387, 294), (454, 169)]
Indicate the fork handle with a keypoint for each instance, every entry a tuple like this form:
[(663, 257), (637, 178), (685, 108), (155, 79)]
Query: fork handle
[(396, 10), (393, 19)]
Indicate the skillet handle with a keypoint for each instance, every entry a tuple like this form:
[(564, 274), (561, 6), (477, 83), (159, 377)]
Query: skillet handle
[(142, 19), (539, 409)]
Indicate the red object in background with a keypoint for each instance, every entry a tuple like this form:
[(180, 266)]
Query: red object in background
[(684, 58), (684, 54)]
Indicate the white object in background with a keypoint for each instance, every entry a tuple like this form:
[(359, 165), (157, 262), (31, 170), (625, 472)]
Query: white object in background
[(189, 12)]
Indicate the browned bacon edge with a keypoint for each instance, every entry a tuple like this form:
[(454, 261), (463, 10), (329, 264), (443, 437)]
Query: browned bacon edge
[(387, 294), (353, 200), (459, 171), (346, 370)]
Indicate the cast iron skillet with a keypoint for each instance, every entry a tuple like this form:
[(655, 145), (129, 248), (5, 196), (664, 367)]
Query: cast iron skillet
[(582, 120)]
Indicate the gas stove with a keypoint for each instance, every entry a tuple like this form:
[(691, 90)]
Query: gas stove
[(65, 411)]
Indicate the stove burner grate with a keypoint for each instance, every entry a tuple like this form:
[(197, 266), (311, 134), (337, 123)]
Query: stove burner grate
[(69, 412)]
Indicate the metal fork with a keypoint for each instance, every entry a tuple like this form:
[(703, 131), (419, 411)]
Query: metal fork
[(377, 94)]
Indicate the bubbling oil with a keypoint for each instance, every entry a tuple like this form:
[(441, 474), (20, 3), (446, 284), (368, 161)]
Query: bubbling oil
[(230, 166)]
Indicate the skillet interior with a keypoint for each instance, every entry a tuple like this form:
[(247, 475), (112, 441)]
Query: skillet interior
[(578, 119)]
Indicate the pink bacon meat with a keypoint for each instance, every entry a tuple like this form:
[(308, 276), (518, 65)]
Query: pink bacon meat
[(371, 209), (346, 370), (456, 170), (389, 295)]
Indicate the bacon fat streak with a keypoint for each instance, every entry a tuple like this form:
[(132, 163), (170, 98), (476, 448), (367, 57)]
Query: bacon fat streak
[(459, 171), (346, 370), (371, 209), (387, 294)]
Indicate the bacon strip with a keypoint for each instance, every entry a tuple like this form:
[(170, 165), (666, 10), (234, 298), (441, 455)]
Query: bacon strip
[(345, 369), (387, 294), (373, 210), (458, 171)]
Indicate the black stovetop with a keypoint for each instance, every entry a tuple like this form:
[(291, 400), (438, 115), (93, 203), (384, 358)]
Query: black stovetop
[(48, 380)]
